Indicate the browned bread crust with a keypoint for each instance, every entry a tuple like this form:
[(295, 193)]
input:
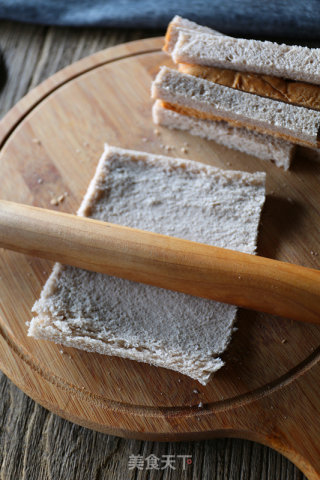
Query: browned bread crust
[(298, 93)]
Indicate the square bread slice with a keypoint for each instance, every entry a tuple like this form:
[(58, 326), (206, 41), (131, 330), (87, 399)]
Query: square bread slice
[(112, 316)]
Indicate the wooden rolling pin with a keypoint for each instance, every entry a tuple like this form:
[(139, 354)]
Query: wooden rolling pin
[(224, 275)]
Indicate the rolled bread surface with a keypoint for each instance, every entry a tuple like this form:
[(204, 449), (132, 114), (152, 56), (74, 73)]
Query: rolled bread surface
[(112, 316)]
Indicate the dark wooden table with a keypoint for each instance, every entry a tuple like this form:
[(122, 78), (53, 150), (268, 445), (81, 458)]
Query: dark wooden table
[(36, 444)]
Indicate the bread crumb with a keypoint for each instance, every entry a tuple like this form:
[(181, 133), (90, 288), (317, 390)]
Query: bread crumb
[(200, 405), (284, 340), (156, 132), (58, 200), (61, 351), (168, 148), (37, 141), (40, 180), (179, 380), (195, 391), (184, 150), (314, 253)]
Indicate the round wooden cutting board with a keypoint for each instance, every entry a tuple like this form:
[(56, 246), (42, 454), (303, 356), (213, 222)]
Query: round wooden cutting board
[(269, 389)]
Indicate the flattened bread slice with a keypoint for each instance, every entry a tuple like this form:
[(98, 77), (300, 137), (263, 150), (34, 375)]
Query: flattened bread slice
[(254, 143), (112, 316)]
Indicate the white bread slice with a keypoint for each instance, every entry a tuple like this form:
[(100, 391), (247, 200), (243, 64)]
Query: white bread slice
[(179, 24), (292, 123), (112, 316), (254, 143), (287, 61)]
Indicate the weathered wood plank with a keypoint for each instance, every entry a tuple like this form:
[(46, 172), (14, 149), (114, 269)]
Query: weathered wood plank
[(20, 47), (34, 443)]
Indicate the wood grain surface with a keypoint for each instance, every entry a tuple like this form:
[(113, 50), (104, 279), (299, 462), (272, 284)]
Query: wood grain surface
[(66, 450)]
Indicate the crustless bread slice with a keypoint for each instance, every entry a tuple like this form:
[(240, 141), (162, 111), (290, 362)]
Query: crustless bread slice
[(112, 316)]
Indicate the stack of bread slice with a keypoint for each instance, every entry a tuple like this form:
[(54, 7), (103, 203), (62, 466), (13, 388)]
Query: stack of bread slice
[(257, 97)]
